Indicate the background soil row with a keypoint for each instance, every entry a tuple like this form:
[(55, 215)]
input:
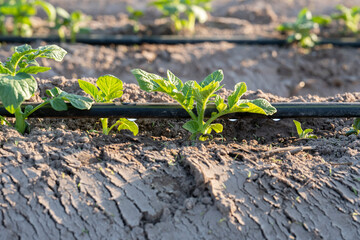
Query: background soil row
[(326, 71)]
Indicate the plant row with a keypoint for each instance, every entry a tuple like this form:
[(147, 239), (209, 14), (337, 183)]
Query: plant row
[(20, 13), (306, 28), (17, 85), (182, 13)]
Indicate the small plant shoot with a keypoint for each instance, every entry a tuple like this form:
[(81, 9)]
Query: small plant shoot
[(18, 85), (355, 128), (135, 15), (72, 22), (202, 94), (184, 13), (21, 12), (108, 88), (350, 16), (304, 28), (304, 133)]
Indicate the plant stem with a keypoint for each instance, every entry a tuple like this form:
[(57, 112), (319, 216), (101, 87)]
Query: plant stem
[(73, 35), (36, 108), (191, 22), (104, 124), (210, 120), (20, 124)]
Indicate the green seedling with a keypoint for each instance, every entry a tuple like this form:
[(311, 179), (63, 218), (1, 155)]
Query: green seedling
[(303, 29), (70, 22), (21, 12), (135, 15), (184, 13), (108, 88), (203, 93), (17, 84), (355, 128), (304, 133), (351, 17)]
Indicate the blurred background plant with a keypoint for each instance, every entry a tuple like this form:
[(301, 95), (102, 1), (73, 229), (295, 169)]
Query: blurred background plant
[(350, 16), (70, 22), (20, 12), (304, 29), (184, 13), (135, 15)]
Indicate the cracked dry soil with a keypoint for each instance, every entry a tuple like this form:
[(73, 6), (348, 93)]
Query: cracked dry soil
[(256, 181)]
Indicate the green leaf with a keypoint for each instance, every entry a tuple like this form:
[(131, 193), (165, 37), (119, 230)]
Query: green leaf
[(146, 80), (62, 13), (34, 69), (312, 136), (202, 95), (123, 123), (53, 52), (54, 92), (175, 80), (307, 131), (220, 105), (239, 90), (216, 76), (200, 13), (79, 102), (111, 86), (192, 126), (17, 57), (28, 108), (188, 89), (23, 48), (90, 89), (298, 127), (217, 127), (321, 20), (14, 90), (4, 70), (356, 123), (352, 131), (58, 104), (165, 86), (48, 8), (260, 106)]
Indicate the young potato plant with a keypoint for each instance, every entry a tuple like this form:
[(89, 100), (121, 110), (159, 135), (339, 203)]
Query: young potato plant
[(17, 84), (355, 128), (303, 29), (71, 21), (304, 133), (184, 13), (351, 17), (135, 15), (108, 88), (21, 12), (203, 93)]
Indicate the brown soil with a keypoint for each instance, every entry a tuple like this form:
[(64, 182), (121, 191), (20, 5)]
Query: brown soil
[(257, 180)]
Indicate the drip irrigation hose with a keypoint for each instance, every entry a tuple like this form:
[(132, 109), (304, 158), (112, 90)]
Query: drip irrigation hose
[(150, 110), (170, 40)]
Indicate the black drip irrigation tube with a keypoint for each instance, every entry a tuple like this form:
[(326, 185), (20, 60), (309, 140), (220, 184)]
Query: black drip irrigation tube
[(150, 110), (172, 40)]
